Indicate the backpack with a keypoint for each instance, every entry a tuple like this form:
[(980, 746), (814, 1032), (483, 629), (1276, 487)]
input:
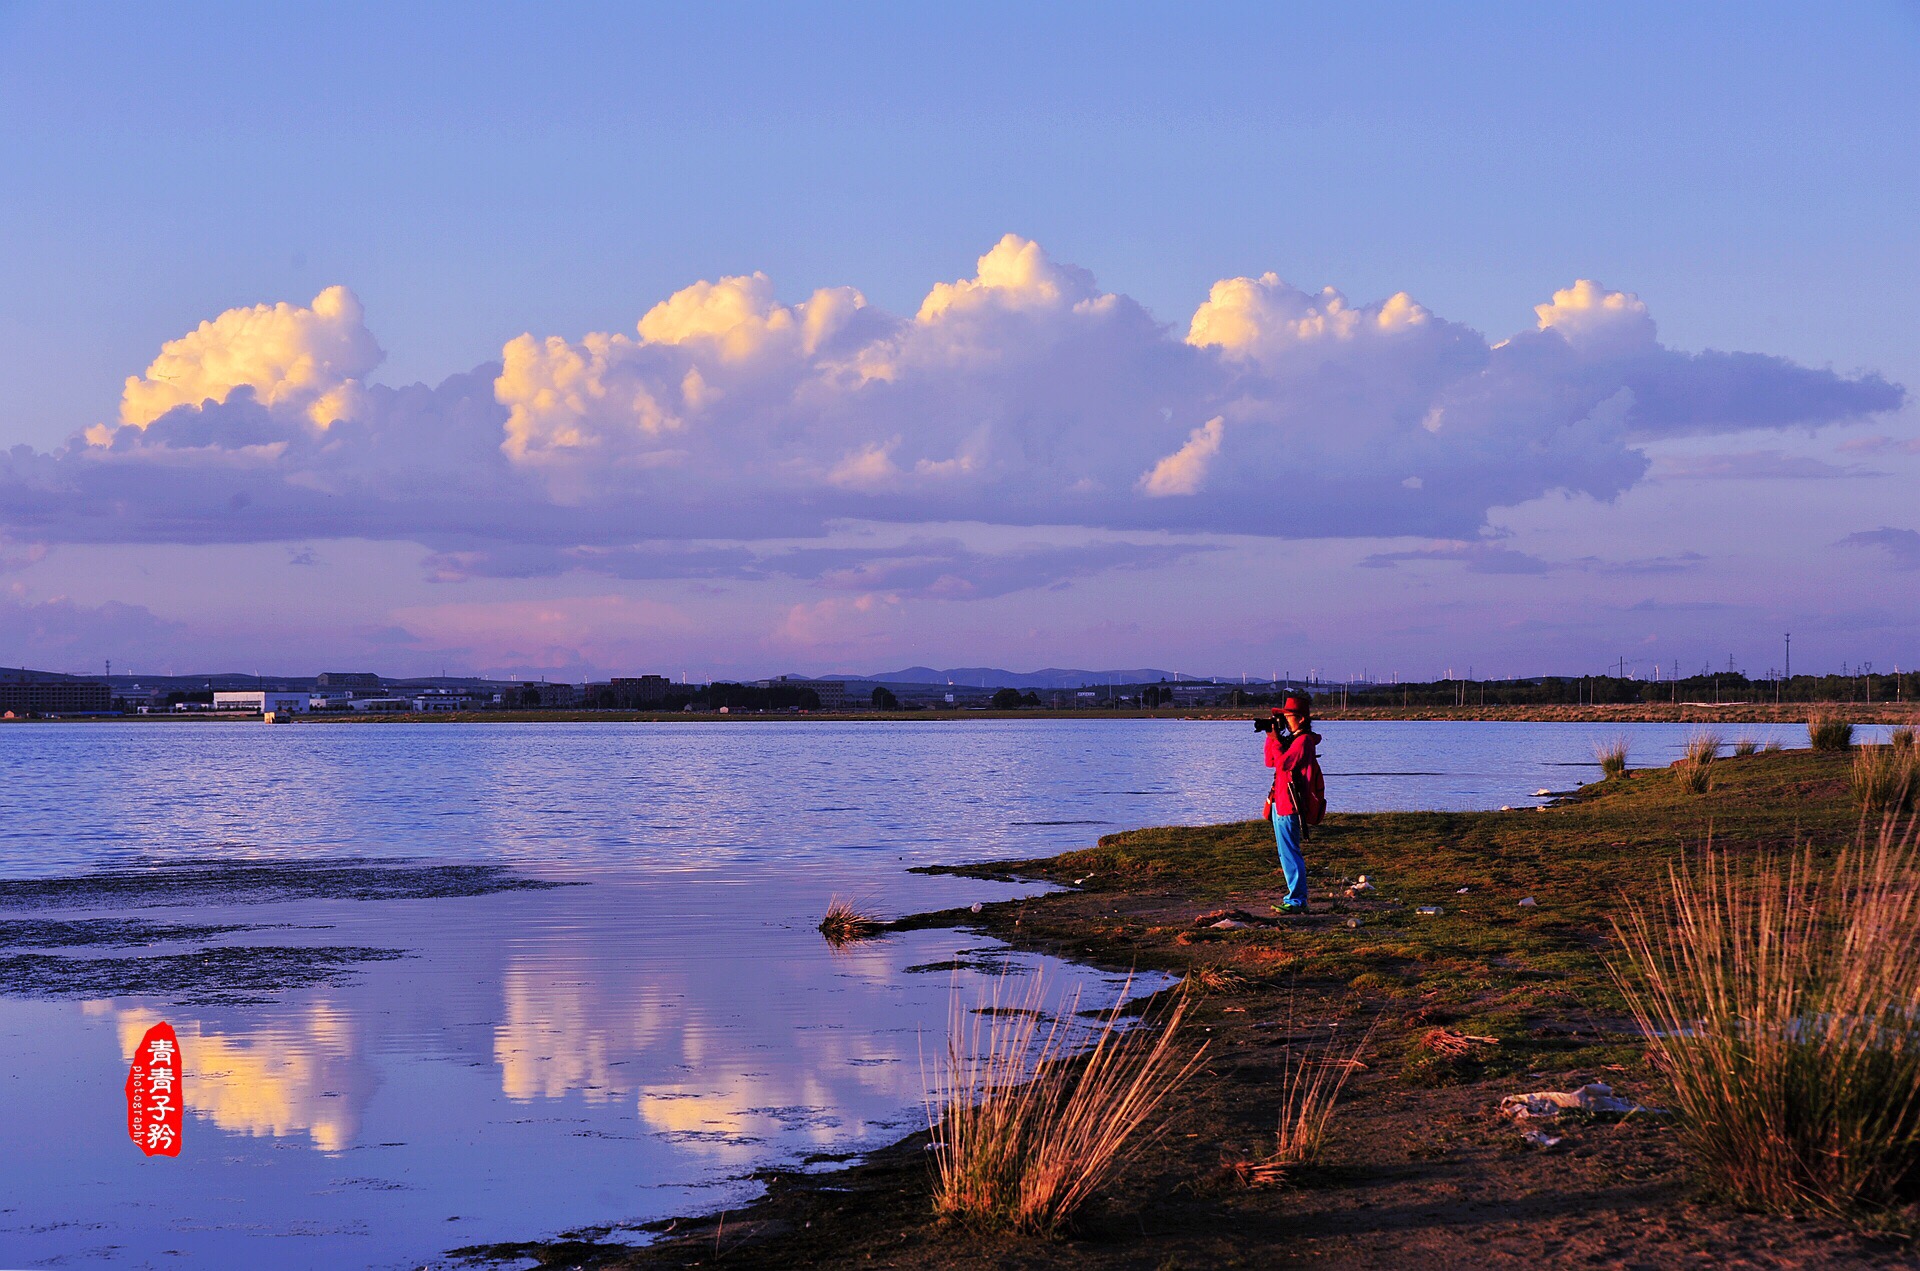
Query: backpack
[(1308, 789), (1310, 794)]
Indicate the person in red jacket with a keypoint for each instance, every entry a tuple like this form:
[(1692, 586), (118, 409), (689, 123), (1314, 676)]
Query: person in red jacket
[(1290, 803)]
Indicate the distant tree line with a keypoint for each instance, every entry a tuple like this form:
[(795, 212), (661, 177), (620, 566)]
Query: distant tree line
[(1610, 690)]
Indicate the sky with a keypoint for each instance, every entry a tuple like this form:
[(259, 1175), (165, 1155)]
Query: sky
[(574, 340)]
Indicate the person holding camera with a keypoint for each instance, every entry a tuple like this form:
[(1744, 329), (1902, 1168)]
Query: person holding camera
[(1298, 797)]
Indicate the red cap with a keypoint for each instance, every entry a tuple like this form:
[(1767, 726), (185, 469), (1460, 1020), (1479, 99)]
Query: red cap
[(1294, 706)]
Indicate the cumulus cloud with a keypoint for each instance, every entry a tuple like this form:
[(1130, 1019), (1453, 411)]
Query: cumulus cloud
[(1185, 470), (308, 359), (1023, 395)]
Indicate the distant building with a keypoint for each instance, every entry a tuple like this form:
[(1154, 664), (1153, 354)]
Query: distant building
[(353, 681), (635, 692), (381, 705), (262, 701), (441, 700), (832, 693), (47, 693), (544, 696)]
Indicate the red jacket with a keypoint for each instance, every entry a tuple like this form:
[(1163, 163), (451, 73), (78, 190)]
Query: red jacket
[(1299, 761)]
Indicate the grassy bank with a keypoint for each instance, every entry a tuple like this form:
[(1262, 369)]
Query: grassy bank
[(1485, 999)]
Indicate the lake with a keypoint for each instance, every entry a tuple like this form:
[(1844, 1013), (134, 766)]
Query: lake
[(611, 1051)]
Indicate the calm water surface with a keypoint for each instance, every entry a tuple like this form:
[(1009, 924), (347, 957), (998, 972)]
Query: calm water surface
[(606, 1053)]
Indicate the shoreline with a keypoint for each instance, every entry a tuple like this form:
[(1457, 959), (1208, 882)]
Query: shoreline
[(1420, 1168), (1706, 713)]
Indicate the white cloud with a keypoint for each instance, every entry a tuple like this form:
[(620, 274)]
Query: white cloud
[(1588, 315), (1016, 274), (1265, 319), (309, 358), (1021, 396), (1185, 470)]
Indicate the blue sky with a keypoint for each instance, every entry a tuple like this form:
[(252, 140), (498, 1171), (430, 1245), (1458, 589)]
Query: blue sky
[(473, 173)]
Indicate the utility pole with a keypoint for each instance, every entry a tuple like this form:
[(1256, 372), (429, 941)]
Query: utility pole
[(1789, 674)]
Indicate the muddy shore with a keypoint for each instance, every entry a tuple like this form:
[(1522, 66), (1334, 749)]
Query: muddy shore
[(1423, 1171)]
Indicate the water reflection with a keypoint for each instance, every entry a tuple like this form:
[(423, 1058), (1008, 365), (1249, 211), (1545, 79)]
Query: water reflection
[(298, 1076), (621, 1050)]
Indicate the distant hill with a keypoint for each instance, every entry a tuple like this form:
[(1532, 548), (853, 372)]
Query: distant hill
[(995, 677)]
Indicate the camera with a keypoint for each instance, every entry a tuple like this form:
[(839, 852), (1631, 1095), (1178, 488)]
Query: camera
[(1273, 724)]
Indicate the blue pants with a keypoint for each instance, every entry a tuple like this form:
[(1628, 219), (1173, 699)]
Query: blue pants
[(1286, 834)]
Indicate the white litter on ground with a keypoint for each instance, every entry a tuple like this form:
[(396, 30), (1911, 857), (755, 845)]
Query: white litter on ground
[(1545, 1105)]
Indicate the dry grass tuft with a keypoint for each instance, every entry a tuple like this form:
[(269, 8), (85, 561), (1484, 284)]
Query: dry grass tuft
[(1901, 738), (1308, 1093), (1694, 771), (1829, 732), (1307, 1096), (1023, 1134), (1214, 979), (1744, 747), (1783, 1001), (1885, 779), (1452, 1045), (1613, 758), (846, 922)]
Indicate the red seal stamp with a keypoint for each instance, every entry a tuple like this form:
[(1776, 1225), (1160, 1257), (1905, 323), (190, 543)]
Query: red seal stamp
[(155, 1115)]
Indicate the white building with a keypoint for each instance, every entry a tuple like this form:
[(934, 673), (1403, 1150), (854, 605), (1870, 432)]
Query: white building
[(382, 705), (260, 702)]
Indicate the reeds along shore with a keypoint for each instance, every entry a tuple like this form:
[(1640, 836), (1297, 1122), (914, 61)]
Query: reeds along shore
[(1024, 1131), (1783, 1004)]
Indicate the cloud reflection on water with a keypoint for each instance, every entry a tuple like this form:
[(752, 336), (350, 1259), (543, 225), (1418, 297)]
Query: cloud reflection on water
[(303, 1074)]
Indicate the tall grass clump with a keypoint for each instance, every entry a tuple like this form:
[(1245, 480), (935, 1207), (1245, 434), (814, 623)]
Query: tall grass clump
[(1695, 768), (1025, 1131), (1744, 747), (1613, 757), (1885, 779), (1307, 1095), (846, 922), (1829, 732), (1901, 738), (1309, 1089), (1783, 1003)]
